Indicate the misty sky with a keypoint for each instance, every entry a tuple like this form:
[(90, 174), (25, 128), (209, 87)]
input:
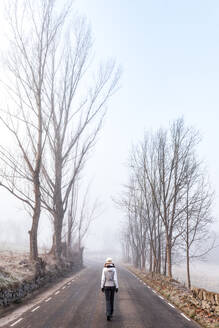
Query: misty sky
[(169, 52)]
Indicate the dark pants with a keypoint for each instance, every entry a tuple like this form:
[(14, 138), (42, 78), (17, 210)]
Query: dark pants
[(109, 294)]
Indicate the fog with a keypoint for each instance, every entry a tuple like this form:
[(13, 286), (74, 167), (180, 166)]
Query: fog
[(204, 275), (169, 53)]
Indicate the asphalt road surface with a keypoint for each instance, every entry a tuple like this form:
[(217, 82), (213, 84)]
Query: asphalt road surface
[(79, 303)]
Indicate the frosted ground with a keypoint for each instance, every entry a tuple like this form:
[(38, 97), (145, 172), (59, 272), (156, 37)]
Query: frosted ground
[(203, 275)]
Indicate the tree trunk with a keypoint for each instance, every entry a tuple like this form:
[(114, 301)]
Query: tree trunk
[(58, 201), (188, 268), (187, 238), (169, 260), (151, 257), (154, 264), (159, 257), (69, 235), (81, 257), (33, 241), (136, 258), (52, 249), (58, 238), (143, 260), (36, 216), (165, 262)]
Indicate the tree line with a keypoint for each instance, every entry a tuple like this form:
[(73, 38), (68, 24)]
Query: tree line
[(54, 109), (167, 201)]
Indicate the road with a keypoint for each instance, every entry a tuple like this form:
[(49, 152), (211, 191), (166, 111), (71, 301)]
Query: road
[(79, 303)]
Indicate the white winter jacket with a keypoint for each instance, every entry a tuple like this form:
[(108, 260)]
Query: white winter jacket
[(106, 273)]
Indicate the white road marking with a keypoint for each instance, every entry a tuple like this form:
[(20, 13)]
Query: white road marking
[(171, 305), (63, 287), (182, 314), (58, 291), (185, 316), (48, 299), (35, 309), (19, 320)]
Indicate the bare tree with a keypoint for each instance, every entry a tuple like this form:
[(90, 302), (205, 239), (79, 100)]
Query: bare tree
[(125, 243), (135, 236), (166, 175), (78, 111), (169, 195), (86, 216), (59, 114), (83, 216), (195, 231), (33, 29)]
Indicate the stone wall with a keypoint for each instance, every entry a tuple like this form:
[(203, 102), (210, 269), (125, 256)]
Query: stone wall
[(16, 291), (208, 300)]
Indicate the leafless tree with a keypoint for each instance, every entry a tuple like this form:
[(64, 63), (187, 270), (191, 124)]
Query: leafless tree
[(78, 111), (197, 219), (33, 30), (86, 216), (81, 215), (169, 195), (125, 243), (135, 236), (58, 103), (172, 152)]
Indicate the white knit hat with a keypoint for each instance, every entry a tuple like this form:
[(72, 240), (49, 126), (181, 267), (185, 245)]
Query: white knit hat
[(109, 260)]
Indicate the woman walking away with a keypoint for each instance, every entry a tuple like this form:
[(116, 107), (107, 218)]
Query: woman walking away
[(109, 284)]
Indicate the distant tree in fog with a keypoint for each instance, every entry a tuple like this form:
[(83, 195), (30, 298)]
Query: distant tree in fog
[(175, 199), (197, 218), (79, 219)]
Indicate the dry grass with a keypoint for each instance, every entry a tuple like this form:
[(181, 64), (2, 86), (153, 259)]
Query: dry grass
[(14, 267)]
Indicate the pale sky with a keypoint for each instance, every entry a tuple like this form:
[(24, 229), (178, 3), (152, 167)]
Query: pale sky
[(169, 52)]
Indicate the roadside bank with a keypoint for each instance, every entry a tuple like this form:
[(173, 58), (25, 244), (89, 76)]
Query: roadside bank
[(198, 304)]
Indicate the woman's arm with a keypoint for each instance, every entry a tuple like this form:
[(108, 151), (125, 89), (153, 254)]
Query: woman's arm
[(116, 279), (103, 279)]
